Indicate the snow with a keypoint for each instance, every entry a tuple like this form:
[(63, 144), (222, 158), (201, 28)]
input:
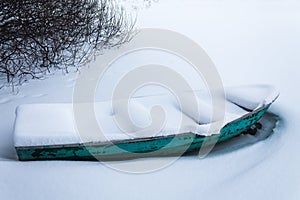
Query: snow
[(250, 42), (254, 97), (54, 124)]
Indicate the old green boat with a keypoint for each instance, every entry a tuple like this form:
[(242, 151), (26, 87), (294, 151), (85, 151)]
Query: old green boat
[(51, 132)]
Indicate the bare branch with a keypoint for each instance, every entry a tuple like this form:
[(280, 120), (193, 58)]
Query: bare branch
[(38, 36)]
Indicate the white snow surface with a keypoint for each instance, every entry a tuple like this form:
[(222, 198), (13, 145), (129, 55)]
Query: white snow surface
[(250, 42), (54, 124)]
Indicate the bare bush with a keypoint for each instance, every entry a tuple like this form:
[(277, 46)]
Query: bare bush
[(38, 36)]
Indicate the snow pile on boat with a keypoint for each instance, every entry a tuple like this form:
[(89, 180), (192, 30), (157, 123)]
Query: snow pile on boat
[(54, 124)]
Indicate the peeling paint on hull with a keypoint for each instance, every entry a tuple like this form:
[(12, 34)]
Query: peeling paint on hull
[(137, 148)]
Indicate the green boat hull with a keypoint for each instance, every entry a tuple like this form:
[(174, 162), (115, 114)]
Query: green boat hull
[(136, 148)]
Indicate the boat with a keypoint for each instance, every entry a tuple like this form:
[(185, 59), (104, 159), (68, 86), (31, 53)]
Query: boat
[(48, 131)]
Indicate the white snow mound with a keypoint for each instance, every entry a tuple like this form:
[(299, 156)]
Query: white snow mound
[(55, 124)]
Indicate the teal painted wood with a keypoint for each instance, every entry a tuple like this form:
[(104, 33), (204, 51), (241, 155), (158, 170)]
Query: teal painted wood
[(135, 148)]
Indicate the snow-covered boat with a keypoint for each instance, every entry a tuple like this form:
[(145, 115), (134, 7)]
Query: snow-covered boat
[(49, 131)]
